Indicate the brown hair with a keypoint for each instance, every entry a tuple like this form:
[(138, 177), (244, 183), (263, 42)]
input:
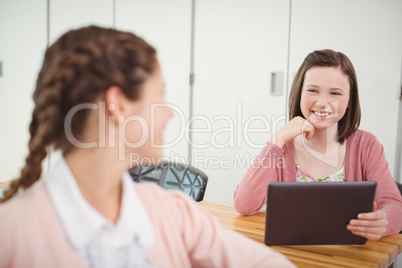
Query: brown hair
[(78, 68), (329, 58)]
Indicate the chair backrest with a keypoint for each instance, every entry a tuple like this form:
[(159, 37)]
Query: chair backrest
[(400, 189), (399, 186), (171, 175)]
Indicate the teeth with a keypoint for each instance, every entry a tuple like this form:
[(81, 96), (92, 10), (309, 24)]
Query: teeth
[(321, 114)]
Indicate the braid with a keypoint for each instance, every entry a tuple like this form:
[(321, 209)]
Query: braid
[(79, 67), (45, 119)]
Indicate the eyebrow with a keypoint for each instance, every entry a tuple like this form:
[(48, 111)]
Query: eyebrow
[(334, 88), (337, 88)]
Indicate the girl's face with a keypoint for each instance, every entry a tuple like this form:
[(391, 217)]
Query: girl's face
[(325, 96), (150, 115)]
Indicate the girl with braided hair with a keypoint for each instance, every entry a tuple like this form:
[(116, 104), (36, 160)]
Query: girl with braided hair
[(88, 212)]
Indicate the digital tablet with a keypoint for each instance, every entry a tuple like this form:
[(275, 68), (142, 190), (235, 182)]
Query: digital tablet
[(315, 213)]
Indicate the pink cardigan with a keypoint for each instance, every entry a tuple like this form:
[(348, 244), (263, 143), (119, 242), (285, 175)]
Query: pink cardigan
[(31, 235), (364, 161)]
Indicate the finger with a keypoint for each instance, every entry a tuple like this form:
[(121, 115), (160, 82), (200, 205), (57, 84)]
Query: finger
[(309, 132), (308, 128), (369, 223), (368, 230), (374, 206), (309, 135), (369, 236), (372, 215)]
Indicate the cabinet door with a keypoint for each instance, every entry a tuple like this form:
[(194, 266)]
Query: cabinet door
[(67, 15), (398, 154), (238, 44), (369, 33), (73, 14), (166, 25), (23, 42)]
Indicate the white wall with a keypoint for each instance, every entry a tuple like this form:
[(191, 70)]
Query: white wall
[(398, 153), (166, 25), (22, 45), (237, 46), (71, 14)]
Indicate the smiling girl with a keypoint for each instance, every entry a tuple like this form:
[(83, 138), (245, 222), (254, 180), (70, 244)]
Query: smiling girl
[(322, 143)]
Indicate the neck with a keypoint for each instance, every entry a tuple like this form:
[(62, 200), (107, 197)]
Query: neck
[(99, 176), (324, 137)]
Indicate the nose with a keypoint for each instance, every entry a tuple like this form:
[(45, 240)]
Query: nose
[(322, 100)]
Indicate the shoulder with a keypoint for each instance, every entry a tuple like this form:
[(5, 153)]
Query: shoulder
[(32, 206), (362, 134), (20, 204), (364, 143), (362, 137), (156, 199), (150, 191), (169, 211)]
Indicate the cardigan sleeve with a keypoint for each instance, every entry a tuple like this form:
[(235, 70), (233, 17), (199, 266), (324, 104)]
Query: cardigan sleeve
[(6, 236), (388, 197), (251, 193), (210, 245)]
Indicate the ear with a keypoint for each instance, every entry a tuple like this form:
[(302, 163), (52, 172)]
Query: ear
[(116, 102)]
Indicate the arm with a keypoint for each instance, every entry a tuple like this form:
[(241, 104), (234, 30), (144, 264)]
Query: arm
[(250, 195), (387, 219), (209, 245)]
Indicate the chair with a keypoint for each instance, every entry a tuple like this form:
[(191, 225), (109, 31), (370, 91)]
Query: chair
[(171, 175), (400, 189), (399, 186)]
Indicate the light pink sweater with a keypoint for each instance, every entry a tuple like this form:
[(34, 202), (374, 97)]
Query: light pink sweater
[(31, 235), (364, 161)]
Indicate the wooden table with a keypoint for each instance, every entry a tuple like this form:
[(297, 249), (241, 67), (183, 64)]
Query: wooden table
[(4, 185), (373, 254)]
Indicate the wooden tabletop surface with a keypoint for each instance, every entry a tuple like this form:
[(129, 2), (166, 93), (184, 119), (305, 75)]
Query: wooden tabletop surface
[(5, 184), (372, 254)]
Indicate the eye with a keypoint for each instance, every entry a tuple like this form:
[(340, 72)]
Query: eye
[(312, 90), (336, 93)]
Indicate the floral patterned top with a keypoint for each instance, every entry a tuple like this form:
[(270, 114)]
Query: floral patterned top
[(302, 176)]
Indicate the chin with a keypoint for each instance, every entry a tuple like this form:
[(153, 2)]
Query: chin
[(323, 125), (320, 125)]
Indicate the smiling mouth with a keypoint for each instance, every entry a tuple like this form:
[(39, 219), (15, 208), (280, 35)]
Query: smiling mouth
[(321, 113)]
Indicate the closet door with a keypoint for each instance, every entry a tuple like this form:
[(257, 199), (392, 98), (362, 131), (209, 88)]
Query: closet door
[(23, 42), (398, 150), (166, 25), (73, 14), (239, 47), (369, 33), (67, 15)]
